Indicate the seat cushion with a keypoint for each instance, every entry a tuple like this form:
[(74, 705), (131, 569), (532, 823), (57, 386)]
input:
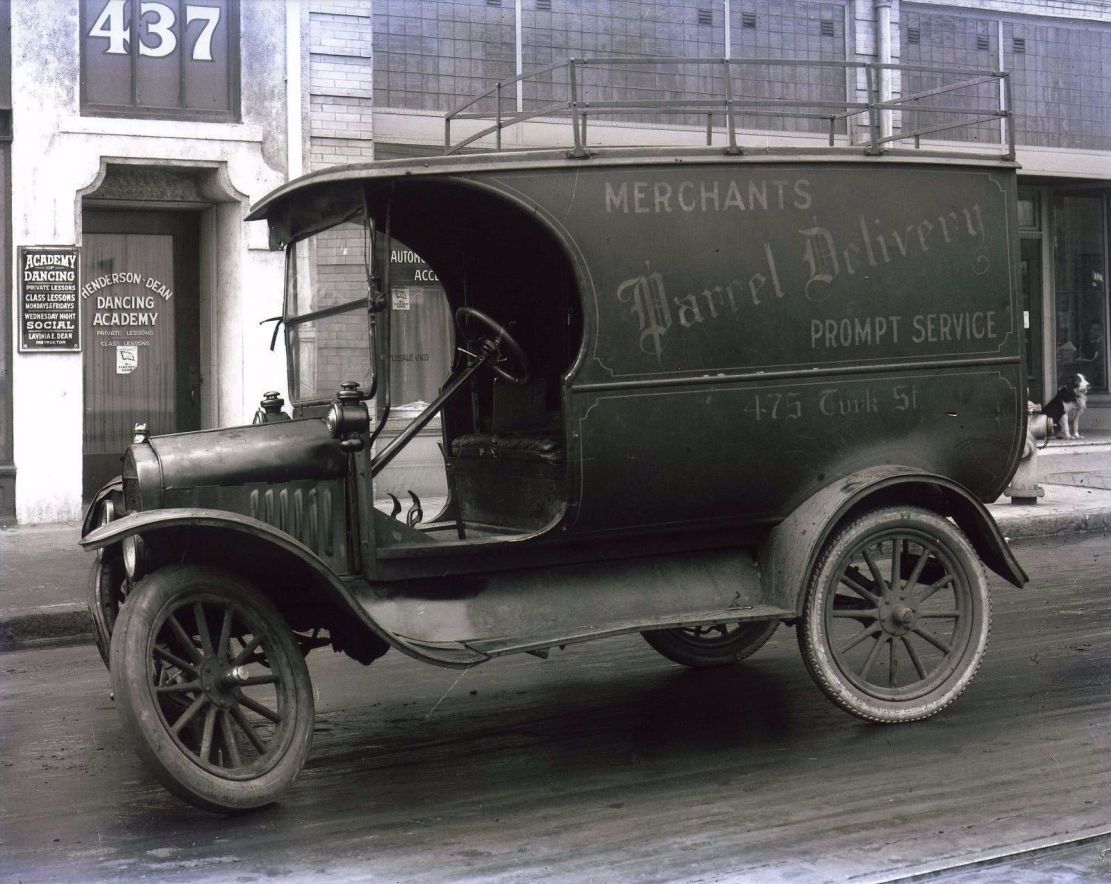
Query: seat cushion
[(509, 446)]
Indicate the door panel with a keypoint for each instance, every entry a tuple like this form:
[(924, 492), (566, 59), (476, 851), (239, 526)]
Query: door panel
[(128, 317), (1030, 265), (141, 324), (1080, 257)]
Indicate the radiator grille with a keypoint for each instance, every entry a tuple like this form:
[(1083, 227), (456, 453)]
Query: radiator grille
[(306, 512)]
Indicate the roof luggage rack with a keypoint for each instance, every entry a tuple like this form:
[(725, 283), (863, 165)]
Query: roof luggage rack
[(976, 98)]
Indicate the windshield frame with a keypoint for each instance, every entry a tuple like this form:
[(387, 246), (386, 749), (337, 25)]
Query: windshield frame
[(296, 270)]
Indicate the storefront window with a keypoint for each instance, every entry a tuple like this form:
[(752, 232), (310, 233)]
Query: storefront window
[(1080, 258), (420, 330), (1029, 210)]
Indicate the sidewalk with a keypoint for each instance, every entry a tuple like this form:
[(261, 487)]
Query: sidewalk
[(45, 575)]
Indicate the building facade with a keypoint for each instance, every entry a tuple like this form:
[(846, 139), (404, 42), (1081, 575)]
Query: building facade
[(431, 55), (134, 139), (139, 139)]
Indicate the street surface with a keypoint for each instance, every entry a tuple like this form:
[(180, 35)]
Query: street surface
[(605, 762)]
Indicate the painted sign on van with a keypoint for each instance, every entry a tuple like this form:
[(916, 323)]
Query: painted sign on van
[(760, 267)]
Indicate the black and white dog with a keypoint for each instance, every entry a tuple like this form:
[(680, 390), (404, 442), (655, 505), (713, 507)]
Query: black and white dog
[(1066, 407)]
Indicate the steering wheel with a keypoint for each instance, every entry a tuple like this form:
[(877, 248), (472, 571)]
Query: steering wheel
[(493, 346)]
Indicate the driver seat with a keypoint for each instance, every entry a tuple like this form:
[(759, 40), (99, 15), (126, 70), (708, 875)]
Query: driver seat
[(520, 427), (509, 446), (511, 478)]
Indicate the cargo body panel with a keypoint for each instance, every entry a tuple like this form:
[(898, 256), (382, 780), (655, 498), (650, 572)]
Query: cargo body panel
[(753, 332)]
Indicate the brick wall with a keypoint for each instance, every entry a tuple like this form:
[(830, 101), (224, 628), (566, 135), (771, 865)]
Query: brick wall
[(433, 54), (1092, 10), (341, 82), (1061, 78), (436, 54), (340, 79)]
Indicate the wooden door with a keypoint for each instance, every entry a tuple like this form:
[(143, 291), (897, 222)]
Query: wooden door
[(141, 351), (1030, 267)]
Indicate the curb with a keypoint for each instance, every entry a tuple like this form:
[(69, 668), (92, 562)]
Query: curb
[(1024, 525), (51, 623)]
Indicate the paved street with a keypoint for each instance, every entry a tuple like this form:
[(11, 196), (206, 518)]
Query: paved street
[(605, 762)]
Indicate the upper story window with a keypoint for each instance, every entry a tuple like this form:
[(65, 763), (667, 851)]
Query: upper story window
[(160, 58)]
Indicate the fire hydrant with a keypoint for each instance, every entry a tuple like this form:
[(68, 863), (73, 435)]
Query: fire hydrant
[(1024, 487)]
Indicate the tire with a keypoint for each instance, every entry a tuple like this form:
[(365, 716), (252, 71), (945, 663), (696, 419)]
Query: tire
[(718, 644), (212, 688), (107, 593), (109, 584), (895, 653)]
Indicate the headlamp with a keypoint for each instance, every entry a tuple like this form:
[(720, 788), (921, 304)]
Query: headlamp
[(347, 415), (107, 514), (134, 556)]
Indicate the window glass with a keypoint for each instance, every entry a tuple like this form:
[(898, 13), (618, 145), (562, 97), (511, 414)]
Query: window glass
[(420, 330), (1028, 214), (331, 271), (1081, 291)]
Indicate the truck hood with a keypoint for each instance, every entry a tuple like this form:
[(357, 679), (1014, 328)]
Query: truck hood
[(282, 451)]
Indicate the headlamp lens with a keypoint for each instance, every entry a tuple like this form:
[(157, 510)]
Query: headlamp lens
[(333, 419), (132, 547), (107, 514), (347, 418)]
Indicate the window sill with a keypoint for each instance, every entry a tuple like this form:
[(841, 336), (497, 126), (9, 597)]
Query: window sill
[(161, 128)]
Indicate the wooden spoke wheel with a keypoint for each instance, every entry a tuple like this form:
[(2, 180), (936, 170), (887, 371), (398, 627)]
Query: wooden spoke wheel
[(108, 591), (212, 687), (716, 644), (109, 585), (897, 615)]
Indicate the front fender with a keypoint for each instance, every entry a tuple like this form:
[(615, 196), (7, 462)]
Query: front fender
[(335, 589), (113, 487), (789, 553), (150, 521)]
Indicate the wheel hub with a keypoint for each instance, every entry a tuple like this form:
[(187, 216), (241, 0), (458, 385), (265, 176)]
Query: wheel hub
[(220, 681), (896, 617)]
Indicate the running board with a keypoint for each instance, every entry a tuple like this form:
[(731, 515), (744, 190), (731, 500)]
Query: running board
[(508, 612), (500, 647)]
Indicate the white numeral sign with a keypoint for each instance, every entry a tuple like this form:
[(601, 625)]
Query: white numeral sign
[(111, 25)]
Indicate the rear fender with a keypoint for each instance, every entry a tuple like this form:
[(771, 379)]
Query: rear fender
[(788, 555)]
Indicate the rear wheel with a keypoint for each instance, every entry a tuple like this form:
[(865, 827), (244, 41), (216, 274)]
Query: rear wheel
[(897, 616), (212, 688), (717, 644)]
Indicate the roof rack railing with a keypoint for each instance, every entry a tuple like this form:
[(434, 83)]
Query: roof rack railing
[(878, 112)]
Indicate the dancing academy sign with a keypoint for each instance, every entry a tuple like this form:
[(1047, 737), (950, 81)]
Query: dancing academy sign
[(48, 309)]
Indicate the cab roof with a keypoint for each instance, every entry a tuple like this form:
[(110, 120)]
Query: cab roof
[(321, 199)]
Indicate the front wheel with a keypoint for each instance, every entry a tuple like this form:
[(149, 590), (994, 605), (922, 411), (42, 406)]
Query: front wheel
[(106, 598), (896, 616), (212, 688), (717, 644)]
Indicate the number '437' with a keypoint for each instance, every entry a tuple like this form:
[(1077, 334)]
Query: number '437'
[(111, 25)]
